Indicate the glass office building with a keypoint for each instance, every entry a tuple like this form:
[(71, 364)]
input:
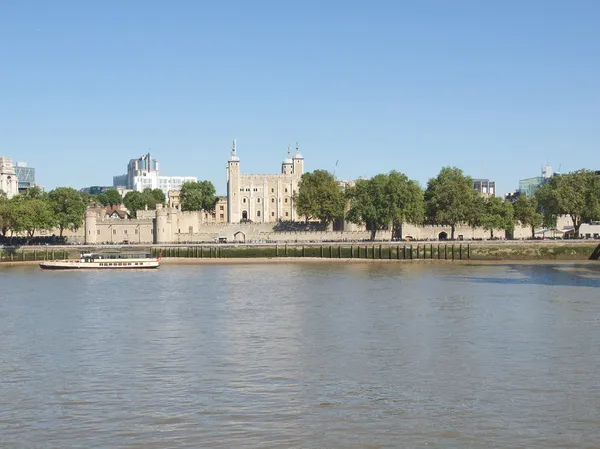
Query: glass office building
[(25, 175)]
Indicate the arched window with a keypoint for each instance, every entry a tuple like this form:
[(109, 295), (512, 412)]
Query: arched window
[(258, 213), (272, 200), (258, 200), (285, 190), (244, 200), (286, 200), (286, 214)]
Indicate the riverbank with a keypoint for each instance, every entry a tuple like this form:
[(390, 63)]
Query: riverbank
[(391, 251)]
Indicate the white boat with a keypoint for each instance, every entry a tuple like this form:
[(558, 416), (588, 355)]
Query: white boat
[(124, 260)]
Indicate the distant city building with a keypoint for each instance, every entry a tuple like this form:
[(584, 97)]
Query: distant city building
[(9, 183), (485, 187), (120, 181), (529, 186), (143, 173), (97, 190), (25, 175)]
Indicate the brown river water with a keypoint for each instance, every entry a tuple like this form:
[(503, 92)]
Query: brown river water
[(302, 355)]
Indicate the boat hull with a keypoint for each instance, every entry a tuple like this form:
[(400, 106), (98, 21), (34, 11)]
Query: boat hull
[(103, 265)]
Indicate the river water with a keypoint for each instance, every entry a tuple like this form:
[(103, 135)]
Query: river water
[(301, 355)]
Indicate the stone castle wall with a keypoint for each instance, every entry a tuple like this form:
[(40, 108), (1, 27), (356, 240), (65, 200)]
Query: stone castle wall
[(173, 226)]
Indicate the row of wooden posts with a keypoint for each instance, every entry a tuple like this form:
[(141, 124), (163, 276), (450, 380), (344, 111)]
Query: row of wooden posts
[(333, 251), (381, 252)]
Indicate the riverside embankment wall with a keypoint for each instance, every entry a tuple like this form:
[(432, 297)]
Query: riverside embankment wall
[(491, 251)]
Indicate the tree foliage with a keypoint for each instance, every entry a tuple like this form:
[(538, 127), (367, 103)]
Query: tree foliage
[(68, 207), (5, 214), (110, 197), (32, 214), (451, 199), (157, 194), (135, 201), (320, 197), (385, 202), (496, 214), (576, 194), (199, 195), (526, 212)]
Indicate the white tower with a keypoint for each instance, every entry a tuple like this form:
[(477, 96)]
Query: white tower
[(233, 186), (298, 162), (287, 166)]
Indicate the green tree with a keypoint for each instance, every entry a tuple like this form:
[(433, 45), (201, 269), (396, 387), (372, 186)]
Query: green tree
[(135, 201), (527, 214), (496, 214), (34, 193), (576, 194), (68, 207), (157, 194), (5, 214), (320, 197), (451, 199), (110, 197), (33, 214), (407, 201), (199, 195), (385, 202)]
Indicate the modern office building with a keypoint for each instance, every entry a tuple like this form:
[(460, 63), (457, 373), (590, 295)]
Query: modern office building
[(485, 187), (529, 186), (25, 175), (9, 183), (143, 173)]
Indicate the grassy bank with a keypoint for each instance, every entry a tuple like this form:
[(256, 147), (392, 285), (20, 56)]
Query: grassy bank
[(541, 251)]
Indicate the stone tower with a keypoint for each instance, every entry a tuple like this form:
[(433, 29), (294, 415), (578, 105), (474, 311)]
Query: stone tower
[(90, 226), (233, 186), (298, 162), (162, 232), (287, 166)]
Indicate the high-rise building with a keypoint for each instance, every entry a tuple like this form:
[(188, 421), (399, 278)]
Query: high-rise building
[(485, 187), (143, 173), (529, 186), (25, 175), (9, 183)]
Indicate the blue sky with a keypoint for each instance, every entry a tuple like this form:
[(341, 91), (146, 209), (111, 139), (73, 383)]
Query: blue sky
[(497, 88)]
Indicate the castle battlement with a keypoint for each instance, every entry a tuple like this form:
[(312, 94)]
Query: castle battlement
[(247, 177)]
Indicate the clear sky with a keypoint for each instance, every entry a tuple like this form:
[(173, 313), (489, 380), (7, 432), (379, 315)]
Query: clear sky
[(497, 88)]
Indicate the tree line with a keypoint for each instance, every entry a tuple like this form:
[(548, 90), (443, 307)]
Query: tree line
[(383, 202), (35, 210), (386, 201), (64, 207)]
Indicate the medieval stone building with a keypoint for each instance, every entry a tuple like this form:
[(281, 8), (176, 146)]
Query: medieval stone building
[(263, 198)]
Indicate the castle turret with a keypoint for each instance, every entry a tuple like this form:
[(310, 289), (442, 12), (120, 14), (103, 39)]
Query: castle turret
[(162, 231), (91, 232), (287, 166), (298, 162), (233, 186)]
